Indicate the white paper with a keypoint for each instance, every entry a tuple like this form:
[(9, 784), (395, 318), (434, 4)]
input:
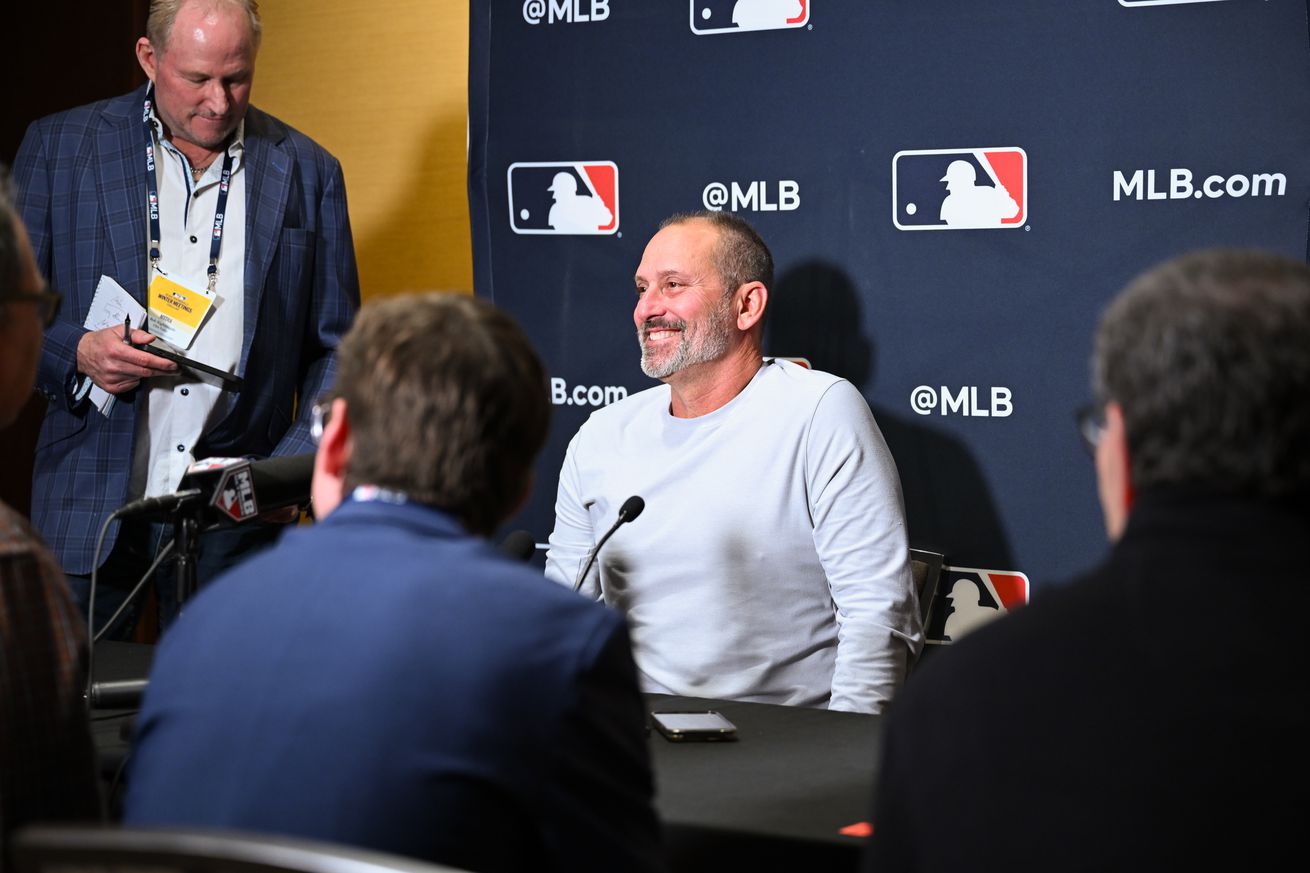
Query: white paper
[(111, 307)]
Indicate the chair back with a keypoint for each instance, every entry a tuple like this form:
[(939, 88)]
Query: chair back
[(67, 849), (926, 569)]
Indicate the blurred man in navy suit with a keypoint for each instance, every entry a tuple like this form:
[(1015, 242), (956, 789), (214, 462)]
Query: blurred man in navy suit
[(385, 677)]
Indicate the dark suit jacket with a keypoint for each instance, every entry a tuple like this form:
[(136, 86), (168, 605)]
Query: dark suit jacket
[(1150, 716), (82, 193), (385, 680)]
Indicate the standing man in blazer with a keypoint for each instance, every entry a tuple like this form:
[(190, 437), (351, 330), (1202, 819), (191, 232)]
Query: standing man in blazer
[(181, 182)]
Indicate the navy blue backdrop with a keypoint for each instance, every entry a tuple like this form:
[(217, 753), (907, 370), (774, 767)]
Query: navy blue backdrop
[(1094, 138)]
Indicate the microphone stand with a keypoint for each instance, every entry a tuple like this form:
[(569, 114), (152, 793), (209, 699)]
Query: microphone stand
[(186, 544), (631, 508), (186, 553)]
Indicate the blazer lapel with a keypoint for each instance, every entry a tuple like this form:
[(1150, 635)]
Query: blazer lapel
[(121, 171), (268, 178)]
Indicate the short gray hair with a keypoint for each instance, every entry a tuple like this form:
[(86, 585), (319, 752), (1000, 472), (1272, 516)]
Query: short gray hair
[(740, 255), (1209, 357), (159, 22)]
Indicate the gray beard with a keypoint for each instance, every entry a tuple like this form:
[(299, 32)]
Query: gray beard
[(697, 346)]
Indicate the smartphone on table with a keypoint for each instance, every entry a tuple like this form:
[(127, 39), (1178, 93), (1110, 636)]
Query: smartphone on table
[(699, 726)]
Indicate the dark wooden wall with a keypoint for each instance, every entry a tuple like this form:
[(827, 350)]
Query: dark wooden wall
[(57, 54)]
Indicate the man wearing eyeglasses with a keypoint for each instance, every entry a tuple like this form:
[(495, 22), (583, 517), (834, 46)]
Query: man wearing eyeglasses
[(1152, 714), (179, 188), (46, 760)]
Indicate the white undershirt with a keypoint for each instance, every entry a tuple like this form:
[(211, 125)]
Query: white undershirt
[(178, 409)]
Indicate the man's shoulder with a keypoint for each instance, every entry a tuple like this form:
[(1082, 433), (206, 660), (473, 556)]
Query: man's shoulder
[(800, 378), (18, 538), (267, 127), (420, 558), (797, 390), (15, 533), (433, 598), (21, 547), (1070, 628), (81, 120)]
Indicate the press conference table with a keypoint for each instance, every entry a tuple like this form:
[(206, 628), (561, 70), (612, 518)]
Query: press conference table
[(776, 797)]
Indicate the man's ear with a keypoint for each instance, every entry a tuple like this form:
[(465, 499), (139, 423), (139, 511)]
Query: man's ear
[(147, 57), (332, 460), (1114, 472), (751, 300)]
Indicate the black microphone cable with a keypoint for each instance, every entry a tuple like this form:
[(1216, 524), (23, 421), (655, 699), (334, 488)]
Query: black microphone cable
[(92, 635), (630, 509)]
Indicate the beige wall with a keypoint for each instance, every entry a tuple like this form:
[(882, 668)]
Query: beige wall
[(383, 85)]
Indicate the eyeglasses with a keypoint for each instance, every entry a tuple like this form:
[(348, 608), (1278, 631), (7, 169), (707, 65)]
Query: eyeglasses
[(319, 416), (1091, 425), (47, 301)]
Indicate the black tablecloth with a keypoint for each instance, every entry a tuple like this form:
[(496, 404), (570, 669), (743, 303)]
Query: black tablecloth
[(776, 797)]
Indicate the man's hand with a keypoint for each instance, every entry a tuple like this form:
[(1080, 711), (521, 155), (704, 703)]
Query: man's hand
[(115, 365)]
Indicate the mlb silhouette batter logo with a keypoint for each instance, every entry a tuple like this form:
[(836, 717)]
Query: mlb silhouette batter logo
[(968, 598), (571, 198), (960, 189), (734, 16)]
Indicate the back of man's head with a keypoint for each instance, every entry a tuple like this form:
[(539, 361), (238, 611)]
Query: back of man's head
[(1208, 355), (447, 403)]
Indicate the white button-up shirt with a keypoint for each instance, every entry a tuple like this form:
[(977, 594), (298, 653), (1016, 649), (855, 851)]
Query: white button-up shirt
[(178, 409)]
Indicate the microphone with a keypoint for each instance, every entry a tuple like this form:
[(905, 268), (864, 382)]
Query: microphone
[(119, 694), (227, 491), (282, 481), (519, 545), (629, 511)]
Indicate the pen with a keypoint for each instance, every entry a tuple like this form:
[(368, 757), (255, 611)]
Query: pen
[(127, 329)]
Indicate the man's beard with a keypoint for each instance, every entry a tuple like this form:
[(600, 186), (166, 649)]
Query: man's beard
[(703, 342)]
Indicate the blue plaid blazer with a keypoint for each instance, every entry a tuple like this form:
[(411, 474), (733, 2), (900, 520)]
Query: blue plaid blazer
[(82, 193)]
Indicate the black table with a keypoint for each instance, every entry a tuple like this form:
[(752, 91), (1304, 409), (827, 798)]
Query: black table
[(776, 797)]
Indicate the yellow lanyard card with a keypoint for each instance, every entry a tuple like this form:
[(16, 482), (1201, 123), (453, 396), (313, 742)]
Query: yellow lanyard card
[(177, 311)]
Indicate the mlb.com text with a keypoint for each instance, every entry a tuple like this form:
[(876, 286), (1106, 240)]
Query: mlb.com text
[(584, 395), (1141, 185)]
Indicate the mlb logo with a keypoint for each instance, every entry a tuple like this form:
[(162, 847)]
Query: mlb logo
[(968, 598), (568, 198), (734, 16), (960, 189), (235, 494)]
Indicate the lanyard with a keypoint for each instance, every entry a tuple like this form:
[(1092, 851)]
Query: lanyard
[(374, 493), (152, 198)]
